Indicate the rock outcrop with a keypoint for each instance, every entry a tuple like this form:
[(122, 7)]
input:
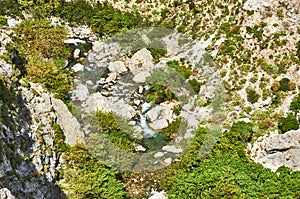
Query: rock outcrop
[(275, 150)]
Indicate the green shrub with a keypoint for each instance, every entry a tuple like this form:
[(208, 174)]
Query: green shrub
[(116, 129), (244, 129), (226, 172), (252, 95), (109, 20), (284, 84), (280, 13), (172, 129), (59, 140), (86, 177), (10, 8), (3, 21), (157, 53), (186, 72), (51, 74), (298, 50), (288, 123), (159, 93), (77, 11), (295, 104), (195, 85), (40, 38)]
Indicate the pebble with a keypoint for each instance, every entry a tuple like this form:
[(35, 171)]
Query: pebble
[(168, 161), (159, 155)]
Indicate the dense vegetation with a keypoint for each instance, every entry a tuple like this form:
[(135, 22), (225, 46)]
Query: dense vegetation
[(226, 172), (87, 177)]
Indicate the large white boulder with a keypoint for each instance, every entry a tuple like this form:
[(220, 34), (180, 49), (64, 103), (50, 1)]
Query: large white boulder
[(117, 66)]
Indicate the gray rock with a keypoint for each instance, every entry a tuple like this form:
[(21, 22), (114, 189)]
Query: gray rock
[(141, 89), (68, 123), (257, 5), (122, 108), (172, 149), (141, 61), (159, 155), (168, 161), (75, 42), (189, 134), (111, 77), (159, 124), (141, 77), (80, 93), (139, 148), (5, 69), (154, 113), (97, 102), (76, 53), (5, 194), (275, 150), (78, 67), (117, 66), (137, 102), (132, 123), (13, 22), (4, 166)]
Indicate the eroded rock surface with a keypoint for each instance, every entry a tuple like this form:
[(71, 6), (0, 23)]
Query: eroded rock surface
[(275, 150)]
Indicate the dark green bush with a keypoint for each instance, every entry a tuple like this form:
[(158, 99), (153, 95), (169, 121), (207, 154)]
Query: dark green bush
[(288, 123), (10, 8), (108, 20), (172, 129), (252, 95), (51, 74), (298, 50), (284, 84), (244, 129), (159, 93), (195, 85)]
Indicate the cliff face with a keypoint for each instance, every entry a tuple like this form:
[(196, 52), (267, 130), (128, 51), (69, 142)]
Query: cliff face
[(29, 156)]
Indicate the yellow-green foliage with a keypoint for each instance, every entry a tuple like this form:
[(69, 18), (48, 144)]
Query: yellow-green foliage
[(86, 177), (51, 74), (40, 38)]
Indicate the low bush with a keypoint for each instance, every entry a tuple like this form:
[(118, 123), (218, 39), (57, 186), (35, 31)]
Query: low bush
[(86, 177), (186, 72), (51, 74), (3, 21), (288, 123), (295, 104), (252, 95), (284, 84), (159, 93), (226, 172), (116, 129), (40, 38)]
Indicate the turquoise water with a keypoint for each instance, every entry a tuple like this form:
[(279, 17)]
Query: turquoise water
[(154, 143)]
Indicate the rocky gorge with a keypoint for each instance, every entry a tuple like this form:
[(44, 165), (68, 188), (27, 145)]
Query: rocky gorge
[(157, 89)]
